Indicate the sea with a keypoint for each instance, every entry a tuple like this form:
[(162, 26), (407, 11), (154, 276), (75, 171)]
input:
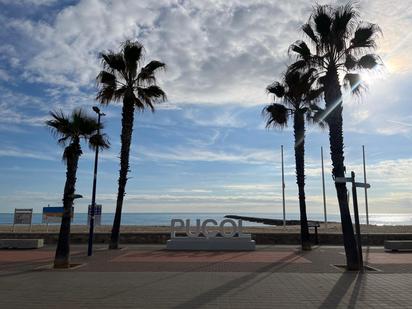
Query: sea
[(163, 219)]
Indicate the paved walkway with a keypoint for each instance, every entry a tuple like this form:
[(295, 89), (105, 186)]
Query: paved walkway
[(150, 277)]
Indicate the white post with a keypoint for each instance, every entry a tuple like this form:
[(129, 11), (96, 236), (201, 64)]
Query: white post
[(283, 188), (366, 191), (323, 189)]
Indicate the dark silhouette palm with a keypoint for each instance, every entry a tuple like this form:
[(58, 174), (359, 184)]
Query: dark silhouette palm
[(121, 81), (298, 95), (341, 44), (70, 130)]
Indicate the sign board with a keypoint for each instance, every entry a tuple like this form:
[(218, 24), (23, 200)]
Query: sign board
[(343, 179), (362, 185), (54, 214), (97, 214), (23, 216)]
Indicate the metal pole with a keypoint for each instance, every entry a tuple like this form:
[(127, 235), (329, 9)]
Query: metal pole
[(366, 191), (93, 205), (357, 225), (283, 189), (323, 188)]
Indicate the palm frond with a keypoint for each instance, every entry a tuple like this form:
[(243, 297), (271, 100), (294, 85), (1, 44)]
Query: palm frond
[(308, 30), (353, 81), (344, 19), (314, 95), (350, 62), (277, 89), (132, 53), (113, 61), (106, 78), (369, 61), (276, 115), (74, 126), (83, 125), (148, 71), (315, 115), (100, 141), (150, 95), (298, 65), (364, 36), (60, 126), (322, 20), (106, 94), (302, 49), (119, 93)]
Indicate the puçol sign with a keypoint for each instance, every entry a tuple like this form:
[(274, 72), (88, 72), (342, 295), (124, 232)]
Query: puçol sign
[(202, 228)]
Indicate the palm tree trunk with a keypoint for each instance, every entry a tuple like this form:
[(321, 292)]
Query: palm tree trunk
[(126, 138), (299, 131), (62, 256), (333, 99)]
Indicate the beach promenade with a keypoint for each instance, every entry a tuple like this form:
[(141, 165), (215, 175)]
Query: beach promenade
[(147, 276)]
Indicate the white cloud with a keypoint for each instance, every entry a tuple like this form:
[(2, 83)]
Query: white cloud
[(189, 154), (222, 117), (215, 51), (25, 153), (29, 2)]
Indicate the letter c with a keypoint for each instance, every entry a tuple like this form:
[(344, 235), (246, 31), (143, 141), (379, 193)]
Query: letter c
[(204, 230)]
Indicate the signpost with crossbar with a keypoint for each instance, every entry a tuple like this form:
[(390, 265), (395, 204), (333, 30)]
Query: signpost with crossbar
[(355, 208)]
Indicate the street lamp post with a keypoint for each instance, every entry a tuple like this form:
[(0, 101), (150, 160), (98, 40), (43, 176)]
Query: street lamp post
[(93, 205)]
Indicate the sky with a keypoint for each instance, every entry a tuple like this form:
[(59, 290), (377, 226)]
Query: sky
[(206, 149)]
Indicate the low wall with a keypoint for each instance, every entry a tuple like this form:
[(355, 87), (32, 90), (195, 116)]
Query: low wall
[(161, 238)]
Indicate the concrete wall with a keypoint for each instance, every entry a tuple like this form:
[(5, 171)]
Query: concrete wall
[(161, 238)]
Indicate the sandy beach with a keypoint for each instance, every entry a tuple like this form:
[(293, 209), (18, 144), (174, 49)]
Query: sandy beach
[(332, 228)]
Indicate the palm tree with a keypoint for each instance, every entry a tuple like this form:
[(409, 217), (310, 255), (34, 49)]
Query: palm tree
[(297, 95), (70, 130), (120, 80), (341, 44)]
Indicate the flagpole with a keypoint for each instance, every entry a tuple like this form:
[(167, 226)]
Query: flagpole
[(323, 189), (283, 189)]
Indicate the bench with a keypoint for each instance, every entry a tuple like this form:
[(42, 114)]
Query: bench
[(398, 245), (315, 225), (21, 243)]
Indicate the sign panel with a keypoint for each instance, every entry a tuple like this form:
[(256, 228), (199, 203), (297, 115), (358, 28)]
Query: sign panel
[(54, 214), (343, 179), (97, 214), (23, 215), (362, 185)]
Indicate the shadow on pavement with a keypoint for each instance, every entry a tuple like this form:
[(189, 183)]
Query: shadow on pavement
[(339, 290), (212, 294)]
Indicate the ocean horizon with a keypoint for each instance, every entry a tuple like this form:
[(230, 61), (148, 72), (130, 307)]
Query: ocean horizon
[(163, 219)]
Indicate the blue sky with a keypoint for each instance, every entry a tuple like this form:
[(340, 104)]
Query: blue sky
[(206, 149)]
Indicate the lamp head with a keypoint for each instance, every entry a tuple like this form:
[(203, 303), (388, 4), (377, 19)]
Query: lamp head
[(96, 109)]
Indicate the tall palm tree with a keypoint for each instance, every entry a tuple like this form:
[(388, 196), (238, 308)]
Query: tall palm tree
[(124, 79), (297, 94), (342, 43), (70, 130)]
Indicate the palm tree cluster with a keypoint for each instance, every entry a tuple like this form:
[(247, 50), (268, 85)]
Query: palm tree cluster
[(340, 43), (123, 79)]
